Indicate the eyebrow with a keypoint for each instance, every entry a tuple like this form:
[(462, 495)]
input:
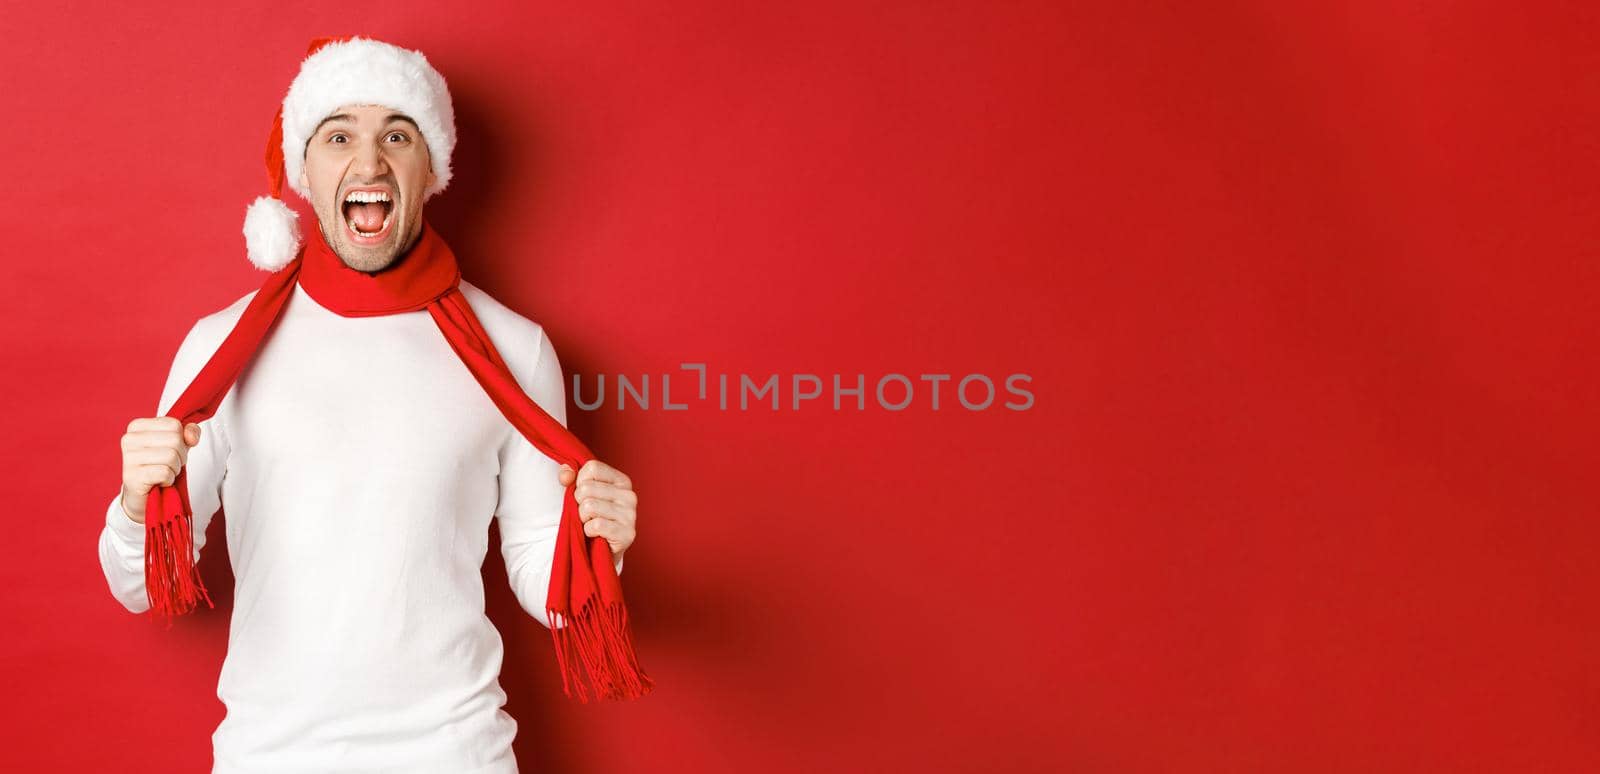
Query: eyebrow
[(389, 119)]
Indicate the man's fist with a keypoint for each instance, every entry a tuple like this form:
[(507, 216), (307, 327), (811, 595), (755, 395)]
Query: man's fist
[(153, 451), (606, 503)]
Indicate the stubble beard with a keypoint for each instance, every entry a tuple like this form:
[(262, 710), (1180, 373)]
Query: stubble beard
[(361, 259)]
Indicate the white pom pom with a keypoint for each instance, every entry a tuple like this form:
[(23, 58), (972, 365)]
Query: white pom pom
[(271, 233)]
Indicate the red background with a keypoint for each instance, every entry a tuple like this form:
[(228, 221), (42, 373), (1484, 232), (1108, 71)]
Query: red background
[(1306, 295)]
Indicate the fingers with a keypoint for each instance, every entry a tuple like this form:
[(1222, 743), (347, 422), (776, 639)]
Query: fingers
[(135, 442), (140, 478), (604, 491), (595, 470), (566, 475), (135, 439), (605, 528), (154, 451), (151, 446), (618, 535), (607, 503), (153, 423), (166, 425), (591, 508)]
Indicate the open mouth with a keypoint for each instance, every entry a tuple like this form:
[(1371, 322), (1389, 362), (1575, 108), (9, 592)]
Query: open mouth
[(368, 215)]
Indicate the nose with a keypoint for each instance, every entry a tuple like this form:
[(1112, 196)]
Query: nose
[(370, 161)]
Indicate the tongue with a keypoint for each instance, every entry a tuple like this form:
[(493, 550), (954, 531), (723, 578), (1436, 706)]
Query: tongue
[(367, 216)]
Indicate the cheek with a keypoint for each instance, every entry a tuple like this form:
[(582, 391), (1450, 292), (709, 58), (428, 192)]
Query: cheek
[(414, 200), (322, 188), (324, 176), (419, 178), (328, 204)]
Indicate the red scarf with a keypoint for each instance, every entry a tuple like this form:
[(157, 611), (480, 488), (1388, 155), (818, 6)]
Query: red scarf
[(588, 619)]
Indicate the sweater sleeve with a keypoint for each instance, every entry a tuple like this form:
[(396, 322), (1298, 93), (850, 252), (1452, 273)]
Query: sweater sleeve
[(531, 494), (122, 538)]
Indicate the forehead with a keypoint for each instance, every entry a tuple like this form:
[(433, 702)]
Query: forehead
[(364, 114)]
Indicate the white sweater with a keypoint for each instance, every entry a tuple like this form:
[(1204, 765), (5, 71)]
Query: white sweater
[(361, 463)]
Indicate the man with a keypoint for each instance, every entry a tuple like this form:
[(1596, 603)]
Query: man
[(361, 464)]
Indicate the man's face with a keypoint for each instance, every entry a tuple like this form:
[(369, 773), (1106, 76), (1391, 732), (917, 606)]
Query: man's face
[(372, 153)]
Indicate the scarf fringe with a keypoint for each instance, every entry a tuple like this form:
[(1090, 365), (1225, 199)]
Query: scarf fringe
[(172, 581), (597, 639)]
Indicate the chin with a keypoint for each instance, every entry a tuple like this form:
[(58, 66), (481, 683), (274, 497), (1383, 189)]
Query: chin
[(369, 258)]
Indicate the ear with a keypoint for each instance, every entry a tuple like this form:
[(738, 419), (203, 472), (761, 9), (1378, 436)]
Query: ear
[(432, 178)]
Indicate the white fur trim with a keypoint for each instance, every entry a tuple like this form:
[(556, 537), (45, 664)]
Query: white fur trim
[(362, 71), (271, 233)]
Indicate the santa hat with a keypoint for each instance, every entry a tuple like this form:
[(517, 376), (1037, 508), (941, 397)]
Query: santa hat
[(348, 70)]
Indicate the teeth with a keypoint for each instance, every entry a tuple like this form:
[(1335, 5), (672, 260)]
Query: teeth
[(367, 196)]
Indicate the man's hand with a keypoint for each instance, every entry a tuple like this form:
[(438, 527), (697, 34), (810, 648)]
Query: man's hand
[(606, 503), (153, 451)]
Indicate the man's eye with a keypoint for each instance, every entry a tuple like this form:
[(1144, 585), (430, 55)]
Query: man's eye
[(336, 138), (401, 135)]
